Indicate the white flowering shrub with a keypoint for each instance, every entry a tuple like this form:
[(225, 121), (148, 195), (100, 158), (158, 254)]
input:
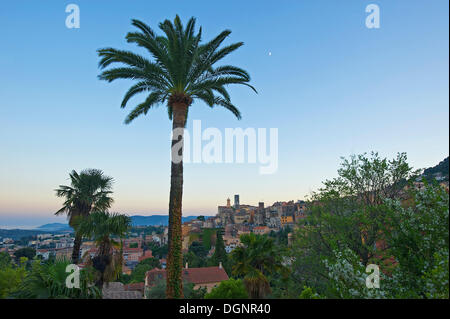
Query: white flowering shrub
[(348, 277), (418, 238)]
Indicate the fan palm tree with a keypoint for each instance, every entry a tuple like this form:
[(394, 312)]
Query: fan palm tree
[(254, 261), (180, 70), (88, 191), (101, 226), (48, 281)]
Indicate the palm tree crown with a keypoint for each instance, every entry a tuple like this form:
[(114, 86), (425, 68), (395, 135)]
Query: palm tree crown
[(182, 69), (255, 261), (88, 191), (102, 227)]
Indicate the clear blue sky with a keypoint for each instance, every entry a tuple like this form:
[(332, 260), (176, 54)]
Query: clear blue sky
[(331, 86)]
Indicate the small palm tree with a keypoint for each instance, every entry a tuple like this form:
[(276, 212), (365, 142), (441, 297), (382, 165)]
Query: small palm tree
[(47, 280), (182, 70), (254, 261), (88, 191), (102, 227)]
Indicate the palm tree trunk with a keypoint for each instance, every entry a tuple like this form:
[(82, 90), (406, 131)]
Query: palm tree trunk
[(76, 248), (175, 258)]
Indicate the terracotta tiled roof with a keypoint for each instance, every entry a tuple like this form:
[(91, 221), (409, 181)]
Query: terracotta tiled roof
[(133, 250), (194, 275), (116, 290), (205, 274), (147, 254), (138, 286)]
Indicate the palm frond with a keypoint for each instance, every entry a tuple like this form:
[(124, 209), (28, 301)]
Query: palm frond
[(143, 108), (180, 65)]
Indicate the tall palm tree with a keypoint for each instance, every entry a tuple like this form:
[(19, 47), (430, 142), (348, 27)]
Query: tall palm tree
[(101, 227), (88, 191), (179, 71)]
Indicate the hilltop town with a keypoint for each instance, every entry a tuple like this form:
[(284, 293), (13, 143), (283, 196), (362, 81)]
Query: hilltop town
[(150, 242)]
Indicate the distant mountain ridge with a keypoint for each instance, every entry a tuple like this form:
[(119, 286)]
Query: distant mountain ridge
[(16, 234), (136, 220), (54, 227), (156, 220)]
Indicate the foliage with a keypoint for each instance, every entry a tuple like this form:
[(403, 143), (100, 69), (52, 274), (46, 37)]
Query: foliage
[(158, 251), (48, 281), (228, 289), (418, 237), (180, 71), (442, 169), (10, 276), (124, 278), (101, 226), (198, 249), (182, 66), (138, 274), (366, 217), (347, 277), (208, 237), (27, 252), (158, 291), (281, 237), (193, 260), (5, 260), (89, 191), (308, 293), (349, 212), (254, 262), (190, 293), (220, 254)]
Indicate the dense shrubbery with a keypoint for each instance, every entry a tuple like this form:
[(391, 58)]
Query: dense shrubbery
[(44, 280), (228, 289), (364, 217), (158, 291)]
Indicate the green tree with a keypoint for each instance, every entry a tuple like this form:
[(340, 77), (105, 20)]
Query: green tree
[(158, 291), (228, 289), (348, 213), (101, 226), (89, 191), (158, 251), (10, 276), (308, 293), (193, 260), (418, 237), (138, 274), (198, 249), (27, 252), (124, 278), (5, 260), (194, 293), (182, 70), (220, 254)]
